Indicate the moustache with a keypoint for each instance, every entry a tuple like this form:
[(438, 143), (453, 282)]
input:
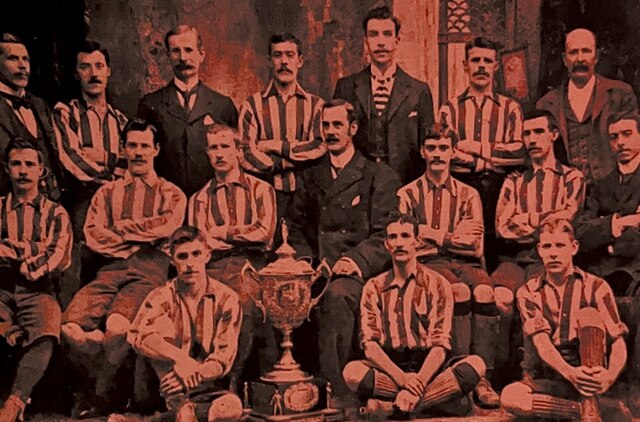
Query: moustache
[(332, 139), (481, 73), (23, 180), (580, 67), (22, 74), (138, 160), (220, 161), (284, 70), (397, 250), (380, 51), (184, 66), (436, 162), (95, 80)]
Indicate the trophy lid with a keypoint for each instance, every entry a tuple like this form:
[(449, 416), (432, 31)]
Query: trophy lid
[(287, 264)]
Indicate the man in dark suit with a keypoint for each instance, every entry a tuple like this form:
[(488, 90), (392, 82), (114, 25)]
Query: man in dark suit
[(23, 115), (182, 109), (609, 227), (338, 214), (582, 106), (394, 110)]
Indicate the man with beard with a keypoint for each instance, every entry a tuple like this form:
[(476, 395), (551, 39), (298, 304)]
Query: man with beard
[(449, 214), (35, 241), (573, 336), (128, 221), (236, 212), (489, 130), (88, 133), (338, 214), (393, 109), (406, 345), (546, 188), (23, 115), (583, 105), (280, 127), (191, 359), (180, 110)]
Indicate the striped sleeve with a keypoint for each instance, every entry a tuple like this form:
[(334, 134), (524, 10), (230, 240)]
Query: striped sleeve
[(510, 224), (228, 319), (261, 231), (440, 304), (166, 219), (253, 159), (312, 147), (606, 305), (531, 313), (461, 241), (371, 327), (55, 255), (511, 151), (575, 195), (71, 154), (153, 318), (98, 232)]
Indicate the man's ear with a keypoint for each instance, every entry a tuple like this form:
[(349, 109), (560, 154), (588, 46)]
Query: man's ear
[(353, 128), (556, 134)]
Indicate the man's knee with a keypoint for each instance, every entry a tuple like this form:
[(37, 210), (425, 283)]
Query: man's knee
[(117, 326), (225, 408), (516, 398), (72, 332), (476, 363), (504, 300), (483, 294), (353, 374), (461, 293)]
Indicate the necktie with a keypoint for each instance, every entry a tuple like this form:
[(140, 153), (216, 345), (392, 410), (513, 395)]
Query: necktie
[(17, 102), (186, 96)]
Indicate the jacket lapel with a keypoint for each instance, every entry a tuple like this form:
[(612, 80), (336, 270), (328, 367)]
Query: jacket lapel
[(202, 105), (171, 102), (349, 175), (400, 92), (362, 84), (560, 99), (600, 97), (9, 120)]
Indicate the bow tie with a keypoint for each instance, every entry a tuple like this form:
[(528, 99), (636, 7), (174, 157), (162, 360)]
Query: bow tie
[(17, 102), (382, 80)]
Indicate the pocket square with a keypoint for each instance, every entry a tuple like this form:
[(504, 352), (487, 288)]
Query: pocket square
[(355, 201), (413, 114)]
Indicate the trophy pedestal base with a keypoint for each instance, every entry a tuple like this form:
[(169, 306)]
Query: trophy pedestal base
[(300, 400)]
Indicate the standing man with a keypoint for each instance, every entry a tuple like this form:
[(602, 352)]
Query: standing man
[(338, 214), (393, 109), (87, 133), (189, 329), (236, 212), (280, 127), (35, 243), (127, 223), (23, 115), (583, 105), (180, 110), (449, 214), (406, 345), (489, 130), (573, 337), (546, 188)]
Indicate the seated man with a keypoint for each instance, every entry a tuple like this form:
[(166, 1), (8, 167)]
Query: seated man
[(189, 329), (449, 214), (35, 241), (127, 223), (405, 345), (570, 320), (237, 214), (546, 187)]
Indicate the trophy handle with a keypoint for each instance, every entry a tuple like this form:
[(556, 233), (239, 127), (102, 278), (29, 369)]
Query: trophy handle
[(319, 272), (248, 268)]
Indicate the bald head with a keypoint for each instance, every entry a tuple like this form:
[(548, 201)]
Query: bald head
[(580, 56)]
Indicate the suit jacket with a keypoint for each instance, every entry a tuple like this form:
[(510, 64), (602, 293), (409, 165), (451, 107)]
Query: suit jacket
[(410, 114), (610, 97), (11, 127), (600, 252), (346, 216), (183, 138)]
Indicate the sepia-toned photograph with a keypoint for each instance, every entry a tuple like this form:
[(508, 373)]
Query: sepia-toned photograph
[(319, 210)]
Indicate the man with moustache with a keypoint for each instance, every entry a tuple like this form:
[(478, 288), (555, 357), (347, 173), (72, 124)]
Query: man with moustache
[(88, 133), (128, 222), (236, 212), (35, 242), (280, 126), (573, 336), (547, 187), (609, 227), (23, 115), (489, 130), (191, 359), (179, 109), (338, 214), (406, 345), (394, 110), (583, 105), (449, 214)]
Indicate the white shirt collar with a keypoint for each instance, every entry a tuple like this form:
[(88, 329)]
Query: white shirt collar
[(585, 90), (629, 167), (185, 87), (341, 161), (7, 90), (375, 72)]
